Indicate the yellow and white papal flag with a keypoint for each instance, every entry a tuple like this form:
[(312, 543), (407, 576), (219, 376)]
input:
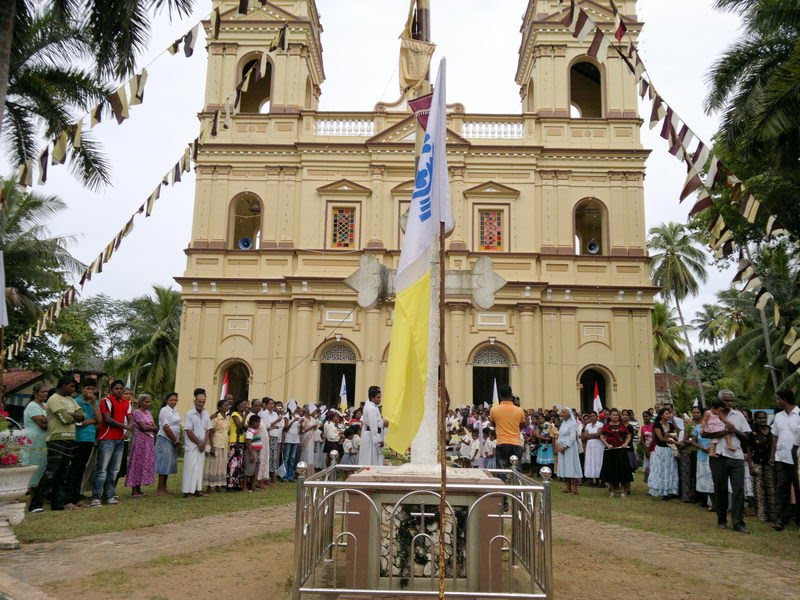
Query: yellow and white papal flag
[(408, 366)]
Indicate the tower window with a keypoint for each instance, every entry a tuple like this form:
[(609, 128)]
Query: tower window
[(586, 91), (259, 89), (590, 228), (245, 228), (491, 232), (343, 227)]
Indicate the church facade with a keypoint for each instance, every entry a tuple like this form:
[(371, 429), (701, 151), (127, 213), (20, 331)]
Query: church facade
[(289, 198)]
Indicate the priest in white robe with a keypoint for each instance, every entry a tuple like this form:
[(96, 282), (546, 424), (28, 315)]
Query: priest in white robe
[(372, 430)]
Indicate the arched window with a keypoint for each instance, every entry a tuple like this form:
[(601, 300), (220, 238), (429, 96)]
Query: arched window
[(586, 91), (245, 225), (259, 89), (338, 353), (490, 356), (590, 228)]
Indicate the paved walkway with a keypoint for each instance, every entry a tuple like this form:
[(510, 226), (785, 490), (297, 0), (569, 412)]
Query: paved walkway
[(54, 561)]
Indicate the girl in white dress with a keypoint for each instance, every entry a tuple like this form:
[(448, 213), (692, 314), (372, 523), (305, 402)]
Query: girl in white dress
[(593, 461)]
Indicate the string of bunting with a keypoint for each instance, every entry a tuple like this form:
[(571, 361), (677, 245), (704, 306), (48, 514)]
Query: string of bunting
[(131, 93), (698, 156), (170, 178)]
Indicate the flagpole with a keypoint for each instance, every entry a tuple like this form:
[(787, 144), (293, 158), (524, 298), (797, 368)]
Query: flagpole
[(424, 31)]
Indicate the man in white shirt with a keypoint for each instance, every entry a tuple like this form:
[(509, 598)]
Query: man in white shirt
[(729, 464), (273, 423), (371, 451), (196, 426), (785, 441)]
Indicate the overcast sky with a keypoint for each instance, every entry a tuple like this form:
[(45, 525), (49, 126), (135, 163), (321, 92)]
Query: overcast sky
[(681, 40)]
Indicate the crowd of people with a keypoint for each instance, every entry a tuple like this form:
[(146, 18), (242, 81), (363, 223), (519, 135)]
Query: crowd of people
[(85, 443), (682, 457), (81, 442)]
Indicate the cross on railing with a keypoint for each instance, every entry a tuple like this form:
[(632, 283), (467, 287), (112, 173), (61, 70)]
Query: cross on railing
[(422, 514)]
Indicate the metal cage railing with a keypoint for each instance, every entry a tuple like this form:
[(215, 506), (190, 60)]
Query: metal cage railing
[(325, 540)]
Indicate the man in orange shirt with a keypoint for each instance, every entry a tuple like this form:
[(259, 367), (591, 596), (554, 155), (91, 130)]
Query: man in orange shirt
[(507, 420)]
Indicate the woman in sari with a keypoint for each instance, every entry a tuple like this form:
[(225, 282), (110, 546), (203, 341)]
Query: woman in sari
[(236, 434)]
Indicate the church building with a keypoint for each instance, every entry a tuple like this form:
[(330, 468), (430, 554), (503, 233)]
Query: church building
[(289, 198)]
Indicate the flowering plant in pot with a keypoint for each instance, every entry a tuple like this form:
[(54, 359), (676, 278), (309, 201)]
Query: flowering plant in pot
[(11, 443), (14, 480)]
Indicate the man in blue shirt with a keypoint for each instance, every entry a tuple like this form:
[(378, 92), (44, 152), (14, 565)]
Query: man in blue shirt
[(85, 436)]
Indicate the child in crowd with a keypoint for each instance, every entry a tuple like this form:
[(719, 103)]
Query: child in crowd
[(714, 421), (468, 449), (350, 450), (490, 449), (253, 443)]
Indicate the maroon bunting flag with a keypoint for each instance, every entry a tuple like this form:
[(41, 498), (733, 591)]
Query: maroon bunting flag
[(422, 108), (667, 130), (43, 165), (569, 16), (189, 40), (657, 113), (599, 46), (620, 29), (703, 202)]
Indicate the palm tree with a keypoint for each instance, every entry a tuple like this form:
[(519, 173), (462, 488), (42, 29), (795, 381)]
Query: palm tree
[(667, 340), (38, 266), (151, 326), (118, 29), (707, 323), (736, 313), (43, 90), (755, 83), (676, 266), (779, 269)]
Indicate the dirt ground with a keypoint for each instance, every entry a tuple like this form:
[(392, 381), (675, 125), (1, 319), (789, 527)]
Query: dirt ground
[(261, 567)]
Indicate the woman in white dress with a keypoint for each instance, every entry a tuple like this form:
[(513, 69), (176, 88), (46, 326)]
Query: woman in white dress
[(308, 429), (593, 460)]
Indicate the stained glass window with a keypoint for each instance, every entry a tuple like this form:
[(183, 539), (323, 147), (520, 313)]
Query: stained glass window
[(491, 230), (343, 227)]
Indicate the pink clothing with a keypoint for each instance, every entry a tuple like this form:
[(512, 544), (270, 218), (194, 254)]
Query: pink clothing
[(142, 462), (713, 424)]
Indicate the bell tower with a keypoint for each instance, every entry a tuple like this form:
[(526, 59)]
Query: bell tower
[(556, 75), (286, 35)]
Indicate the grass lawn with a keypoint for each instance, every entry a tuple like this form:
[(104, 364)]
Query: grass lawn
[(675, 519), (133, 513), (210, 574)]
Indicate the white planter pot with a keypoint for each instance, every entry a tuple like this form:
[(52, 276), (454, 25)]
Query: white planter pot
[(14, 483)]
